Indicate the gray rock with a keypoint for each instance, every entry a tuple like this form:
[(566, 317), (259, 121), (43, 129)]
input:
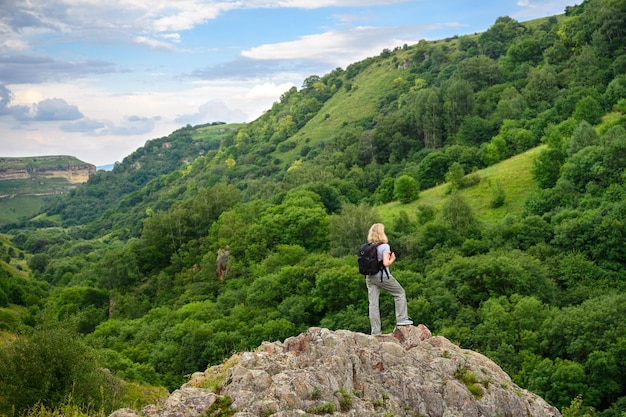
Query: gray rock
[(344, 373)]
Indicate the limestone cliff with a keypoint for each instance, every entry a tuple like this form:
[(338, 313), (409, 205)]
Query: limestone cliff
[(343, 373), (30, 174)]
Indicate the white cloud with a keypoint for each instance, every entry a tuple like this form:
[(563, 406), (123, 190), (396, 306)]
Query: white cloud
[(215, 110), (14, 45), (533, 8), (336, 47), (268, 91), (154, 43), (174, 37), (141, 16)]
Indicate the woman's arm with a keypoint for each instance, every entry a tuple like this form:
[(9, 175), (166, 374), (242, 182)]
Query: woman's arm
[(388, 258)]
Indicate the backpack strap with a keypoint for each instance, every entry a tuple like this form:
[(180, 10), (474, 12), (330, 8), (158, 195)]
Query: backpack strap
[(383, 269)]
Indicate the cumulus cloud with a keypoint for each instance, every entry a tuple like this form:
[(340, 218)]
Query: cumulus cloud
[(337, 47), (213, 111), (268, 90), (312, 54), (52, 109), (132, 125)]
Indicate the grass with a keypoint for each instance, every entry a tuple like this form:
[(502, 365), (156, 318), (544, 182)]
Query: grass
[(469, 379), (12, 209), (513, 174), (215, 381), (36, 161), (348, 106)]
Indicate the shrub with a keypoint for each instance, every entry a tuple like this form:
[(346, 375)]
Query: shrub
[(50, 367)]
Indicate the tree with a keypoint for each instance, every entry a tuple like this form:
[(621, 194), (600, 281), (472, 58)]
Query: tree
[(385, 190), (495, 40), (458, 215), (616, 90), (587, 68), (458, 102), (584, 135), (300, 219), (589, 110), (541, 88), (336, 288), (556, 381), (547, 166), (455, 176), (405, 188), (425, 109), (511, 105), (480, 71), (432, 169), (475, 130), (349, 229), (39, 262)]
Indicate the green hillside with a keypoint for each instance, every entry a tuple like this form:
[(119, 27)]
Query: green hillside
[(14, 208), (496, 162), (513, 174)]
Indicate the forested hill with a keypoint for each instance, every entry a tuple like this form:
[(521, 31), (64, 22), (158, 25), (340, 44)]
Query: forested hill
[(497, 161)]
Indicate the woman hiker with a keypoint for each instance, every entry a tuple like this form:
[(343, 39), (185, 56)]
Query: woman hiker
[(383, 279)]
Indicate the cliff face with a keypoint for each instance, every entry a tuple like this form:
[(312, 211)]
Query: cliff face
[(39, 169), (343, 373), (66, 167)]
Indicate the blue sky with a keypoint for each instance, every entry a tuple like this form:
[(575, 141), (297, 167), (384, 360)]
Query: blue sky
[(95, 79)]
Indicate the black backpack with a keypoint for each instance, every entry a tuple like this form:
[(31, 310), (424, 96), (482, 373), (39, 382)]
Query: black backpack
[(368, 259)]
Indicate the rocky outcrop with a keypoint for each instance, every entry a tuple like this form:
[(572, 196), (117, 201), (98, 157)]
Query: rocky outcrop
[(343, 373), (66, 167), (30, 174)]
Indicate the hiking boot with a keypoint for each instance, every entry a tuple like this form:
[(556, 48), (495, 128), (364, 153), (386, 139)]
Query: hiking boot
[(405, 322)]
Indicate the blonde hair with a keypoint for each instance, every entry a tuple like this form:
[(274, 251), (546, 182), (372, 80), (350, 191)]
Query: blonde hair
[(377, 233)]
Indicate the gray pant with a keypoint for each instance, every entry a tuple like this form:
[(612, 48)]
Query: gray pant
[(374, 284)]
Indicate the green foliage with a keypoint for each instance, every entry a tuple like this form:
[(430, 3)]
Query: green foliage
[(221, 407), (455, 176), (547, 166), (458, 215), (324, 408), (345, 399), (300, 219), (49, 367), (577, 409), (584, 136), (405, 188), (348, 230), (469, 379), (499, 195)]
